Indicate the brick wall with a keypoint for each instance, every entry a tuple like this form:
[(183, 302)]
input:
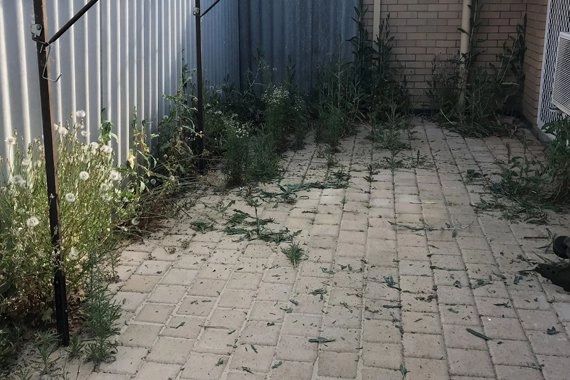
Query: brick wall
[(424, 29), (536, 11)]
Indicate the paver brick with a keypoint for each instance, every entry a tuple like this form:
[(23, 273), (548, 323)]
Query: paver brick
[(171, 294), (383, 355), (511, 352), (140, 283), (204, 366), (127, 360), (206, 287), (137, 334), (424, 346), (196, 306), (183, 327), (296, 348), (301, 325), (469, 362), (284, 369), (254, 357), (338, 364), (426, 369), (154, 312), (153, 370), (170, 350)]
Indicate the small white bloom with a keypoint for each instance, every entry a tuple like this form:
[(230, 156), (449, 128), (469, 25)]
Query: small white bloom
[(153, 181), (18, 180), (70, 197), (84, 176), (84, 133), (11, 140), (94, 146), (80, 114), (63, 131), (115, 175), (26, 162), (73, 254), (32, 222), (104, 187), (106, 149)]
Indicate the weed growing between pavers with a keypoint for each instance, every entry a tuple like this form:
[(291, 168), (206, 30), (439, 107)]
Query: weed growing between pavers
[(294, 253), (529, 187), (469, 97), (369, 88)]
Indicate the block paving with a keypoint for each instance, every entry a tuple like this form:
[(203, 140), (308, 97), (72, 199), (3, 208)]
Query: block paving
[(398, 268)]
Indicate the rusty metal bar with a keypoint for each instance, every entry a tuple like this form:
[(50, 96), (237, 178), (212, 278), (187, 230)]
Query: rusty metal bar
[(59, 285), (72, 21), (199, 91), (209, 8)]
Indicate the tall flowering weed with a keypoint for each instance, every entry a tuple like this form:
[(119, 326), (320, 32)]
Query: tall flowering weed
[(93, 202)]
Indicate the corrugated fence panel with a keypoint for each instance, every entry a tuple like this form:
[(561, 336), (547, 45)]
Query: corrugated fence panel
[(122, 56), (307, 33)]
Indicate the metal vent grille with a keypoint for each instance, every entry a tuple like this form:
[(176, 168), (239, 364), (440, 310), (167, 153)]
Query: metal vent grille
[(558, 21), (561, 86)]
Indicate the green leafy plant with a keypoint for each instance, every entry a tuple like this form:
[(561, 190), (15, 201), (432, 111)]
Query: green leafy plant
[(294, 253), (263, 164), (236, 151), (470, 97), (529, 186), (46, 343), (101, 315), (387, 132), (283, 113), (93, 202), (10, 342)]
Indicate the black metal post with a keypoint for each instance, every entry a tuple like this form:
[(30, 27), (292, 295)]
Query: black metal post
[(59, 285), (199, 91)]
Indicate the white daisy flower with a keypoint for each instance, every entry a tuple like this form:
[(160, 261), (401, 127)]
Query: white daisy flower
[(70, 197), (115, 175), (18, 180), (84, 176), (80, 114), (73, 254), (32, 222), (63, 131), (106, 149)]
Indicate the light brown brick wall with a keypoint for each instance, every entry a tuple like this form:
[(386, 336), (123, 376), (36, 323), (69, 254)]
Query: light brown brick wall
[(536, 11), (424, 29)]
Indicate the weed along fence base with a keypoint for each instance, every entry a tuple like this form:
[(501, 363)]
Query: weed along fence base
[(279, 189)]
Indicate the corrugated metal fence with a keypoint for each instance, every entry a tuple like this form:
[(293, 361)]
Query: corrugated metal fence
[(123, 55), (306, 33), (126, 54)]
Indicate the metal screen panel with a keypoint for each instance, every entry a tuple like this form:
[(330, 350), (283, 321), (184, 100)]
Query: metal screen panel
[(558, 20)]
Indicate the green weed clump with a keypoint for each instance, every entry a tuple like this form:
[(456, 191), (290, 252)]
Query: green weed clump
[(528, 187), (367, 89), (102, 313), (93, 203), (471, 97), (284, 115), (294, 253)]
